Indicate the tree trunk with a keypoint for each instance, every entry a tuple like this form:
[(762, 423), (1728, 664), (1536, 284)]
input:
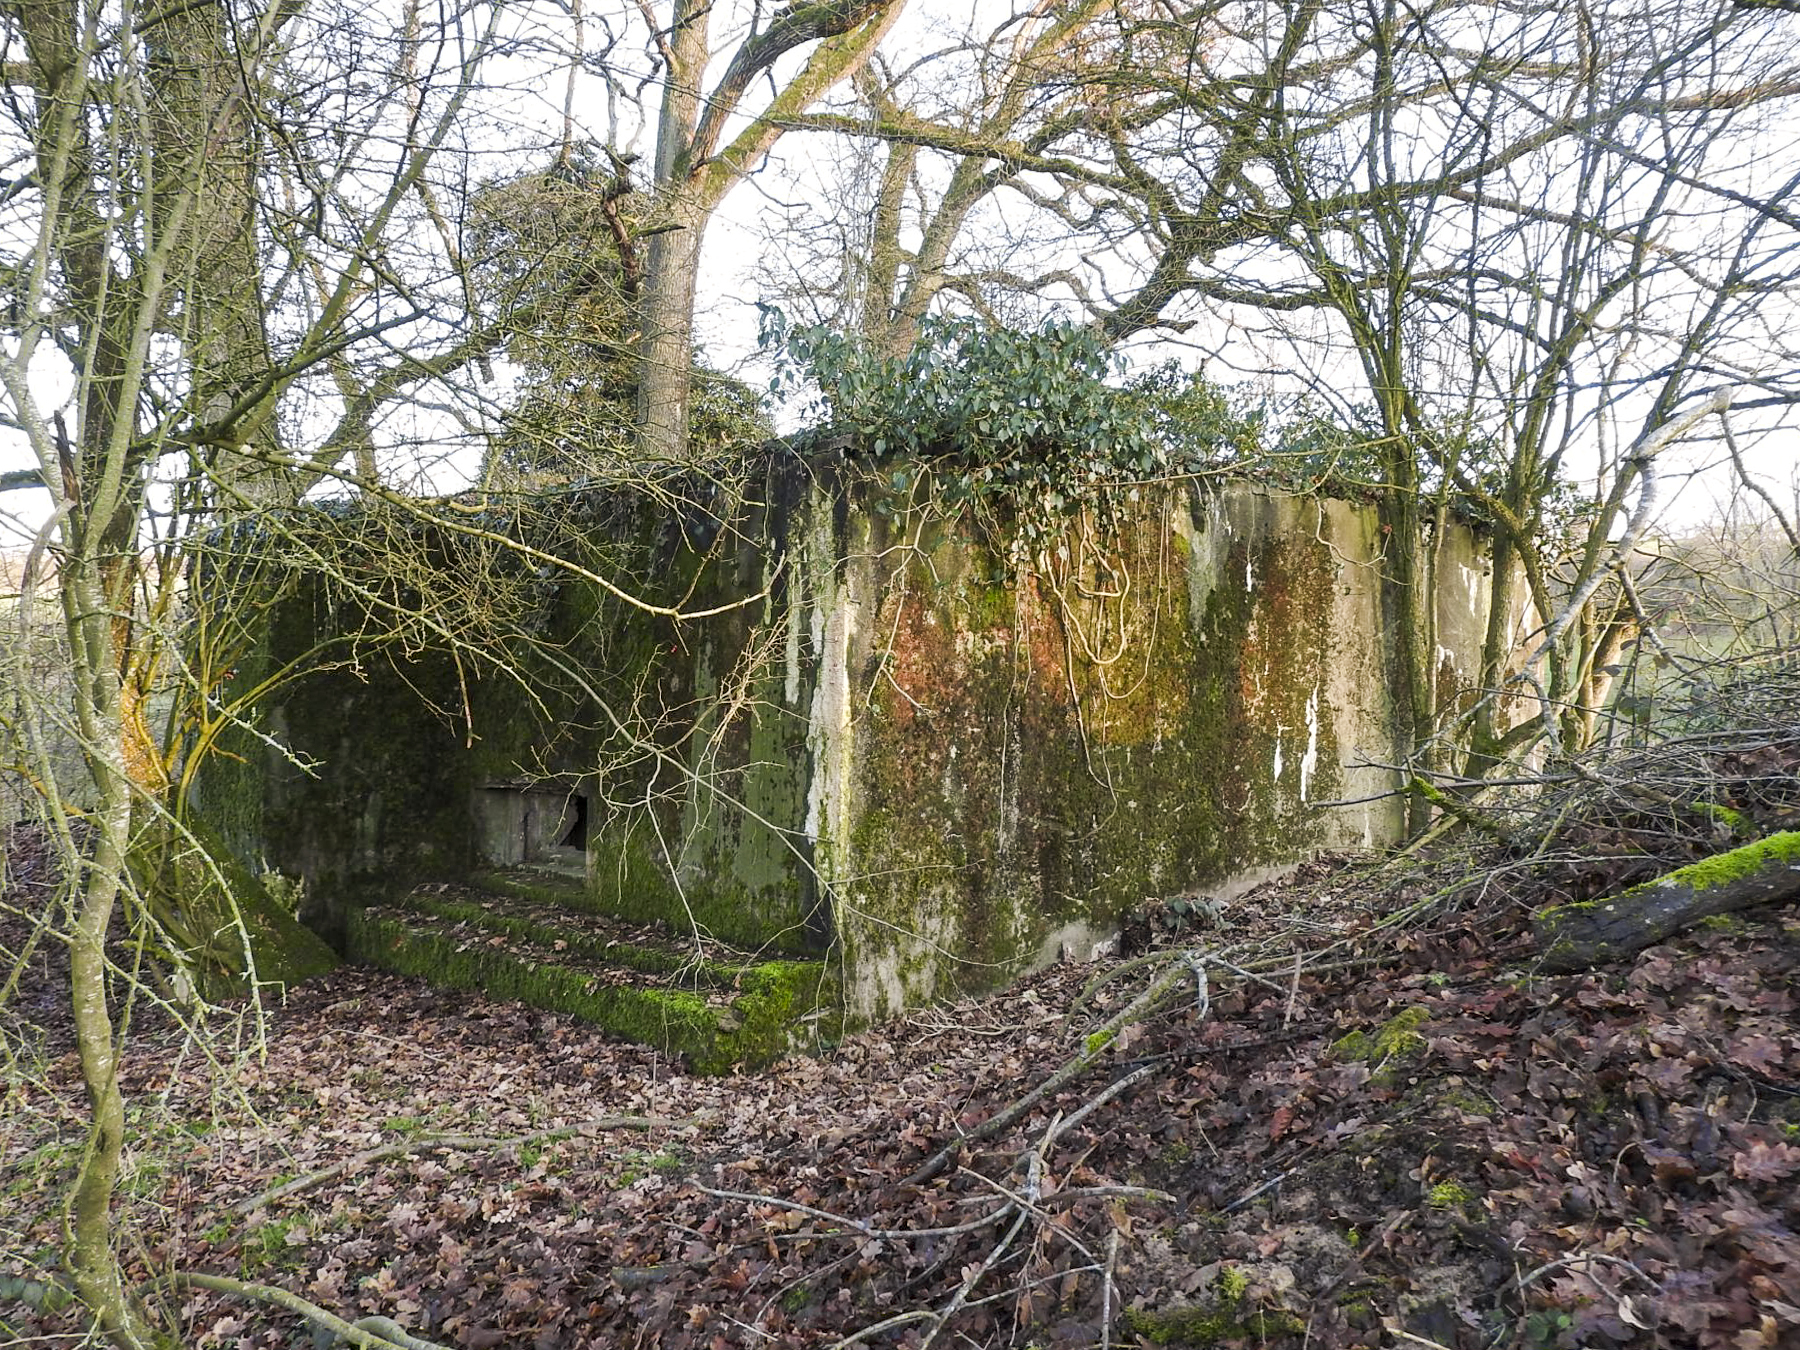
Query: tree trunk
[(666, 357), (1407, 609), (93, 1263), (694, 172), (1576, 937), (206, 158), (672, 264), (878, 311), (1498, 646)]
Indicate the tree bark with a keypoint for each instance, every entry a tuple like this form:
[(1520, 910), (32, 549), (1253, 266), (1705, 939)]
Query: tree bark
[(93, 1264), (206, 159), (1576, 937), (666, 352), (672, 262), (694, 171)]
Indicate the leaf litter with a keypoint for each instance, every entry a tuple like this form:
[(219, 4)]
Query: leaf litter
[(1589, 1160)]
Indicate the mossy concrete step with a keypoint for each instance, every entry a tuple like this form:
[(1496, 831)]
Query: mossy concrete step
[(718, 1014), (649, 949), (565, 890), (542, 884)]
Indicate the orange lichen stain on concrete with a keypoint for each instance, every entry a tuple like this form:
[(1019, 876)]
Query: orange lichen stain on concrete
[(1285, 639), (913, 666)]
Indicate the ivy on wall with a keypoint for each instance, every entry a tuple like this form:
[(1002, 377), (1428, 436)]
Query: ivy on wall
[(1037, 422), (1043, 424)]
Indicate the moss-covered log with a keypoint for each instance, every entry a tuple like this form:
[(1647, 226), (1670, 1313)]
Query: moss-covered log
[(1575, 937)]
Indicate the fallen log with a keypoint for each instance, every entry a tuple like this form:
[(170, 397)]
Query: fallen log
[(1593, 932)]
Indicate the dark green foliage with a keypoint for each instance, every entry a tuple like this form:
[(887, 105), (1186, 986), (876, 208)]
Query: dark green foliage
[(1045, 423), (1026, 420), (1201, 425), (555, 255), (997, 399)]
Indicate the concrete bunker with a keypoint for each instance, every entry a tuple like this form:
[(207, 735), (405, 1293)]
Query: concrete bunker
[(874, 745), (533, 824)]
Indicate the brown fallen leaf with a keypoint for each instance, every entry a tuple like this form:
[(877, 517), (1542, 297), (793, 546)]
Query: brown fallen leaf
[(1766, 1162)]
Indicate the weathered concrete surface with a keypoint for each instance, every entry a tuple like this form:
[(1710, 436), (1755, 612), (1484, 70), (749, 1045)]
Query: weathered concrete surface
[(1003, 770), (935, 767)]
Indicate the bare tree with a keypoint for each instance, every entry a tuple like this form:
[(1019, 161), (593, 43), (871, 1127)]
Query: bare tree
[(973, 177), (697, 163), (1547, 257), (219, 270), (936, 200)]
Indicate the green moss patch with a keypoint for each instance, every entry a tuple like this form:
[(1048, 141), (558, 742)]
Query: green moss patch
[(1397, 1040), (636, 889), (586, 935), (1203, 1327), (1460, 1099), (222, 917), (1450, 1195), (779, 1006), (537, 885), (1736, 864), (1220, 1318)]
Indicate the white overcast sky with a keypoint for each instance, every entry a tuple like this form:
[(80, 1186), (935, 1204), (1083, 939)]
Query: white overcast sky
[(736, 239)]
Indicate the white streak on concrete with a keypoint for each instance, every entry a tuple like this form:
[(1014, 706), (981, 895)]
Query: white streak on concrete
[(1309, 762)]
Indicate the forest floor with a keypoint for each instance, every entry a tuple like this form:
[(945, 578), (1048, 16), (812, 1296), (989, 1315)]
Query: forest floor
[(1501, 1158)]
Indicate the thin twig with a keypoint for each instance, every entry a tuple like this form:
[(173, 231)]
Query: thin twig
[(1036, 1209), (1268, 1185), (1109, 1193), (1582, 1258), (1405, 1335), (1100, 1099), (972, 1282), (867, 1230), (887, 1324), (1106, 1288)]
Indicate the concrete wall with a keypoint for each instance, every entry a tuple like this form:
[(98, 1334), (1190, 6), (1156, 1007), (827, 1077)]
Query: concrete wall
[(1003, 768), (902, 750)]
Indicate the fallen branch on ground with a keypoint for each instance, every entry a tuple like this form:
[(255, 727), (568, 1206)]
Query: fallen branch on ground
[(856, 1225), (1093, 1047), (1461, 811), (367, 1333)]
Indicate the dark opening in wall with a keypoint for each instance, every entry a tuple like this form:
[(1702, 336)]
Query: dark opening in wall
[(540, 824), (576, 813)]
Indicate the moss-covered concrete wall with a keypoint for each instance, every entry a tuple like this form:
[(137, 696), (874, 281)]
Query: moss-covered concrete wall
[(369, 791), (1005, 768), (687, 738), (886, 742)]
